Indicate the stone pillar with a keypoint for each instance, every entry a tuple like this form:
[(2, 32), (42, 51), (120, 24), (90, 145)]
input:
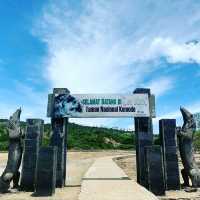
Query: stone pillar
[(58, 139), (167, 129), (46, 171), (155, 170), (32, 142), (144, 137), (65, 147)]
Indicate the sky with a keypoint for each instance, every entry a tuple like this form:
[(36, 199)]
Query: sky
[(99, 46)]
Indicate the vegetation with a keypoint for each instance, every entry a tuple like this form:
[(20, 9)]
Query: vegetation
[(3, 137), (197, 141), (82, 137), (89, 138)]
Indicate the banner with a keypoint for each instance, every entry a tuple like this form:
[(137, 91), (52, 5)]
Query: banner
[(101, 105)]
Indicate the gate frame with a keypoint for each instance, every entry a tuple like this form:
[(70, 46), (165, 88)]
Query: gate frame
[(143, 127)]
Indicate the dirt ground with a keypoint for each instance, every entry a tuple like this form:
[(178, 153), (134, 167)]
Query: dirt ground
[(128, 164), (77, 164)]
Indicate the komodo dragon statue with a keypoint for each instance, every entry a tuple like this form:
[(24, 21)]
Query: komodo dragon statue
[(185, 135), (11, 172)]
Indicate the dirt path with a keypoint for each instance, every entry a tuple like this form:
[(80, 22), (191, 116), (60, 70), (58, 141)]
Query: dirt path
[(105, 180), (78, 164)]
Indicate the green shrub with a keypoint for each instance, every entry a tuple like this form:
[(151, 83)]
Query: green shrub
[(4, 146)]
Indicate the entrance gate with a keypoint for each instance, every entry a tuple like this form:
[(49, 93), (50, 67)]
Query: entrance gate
[(157, 166), (44, 168), (62, 105)]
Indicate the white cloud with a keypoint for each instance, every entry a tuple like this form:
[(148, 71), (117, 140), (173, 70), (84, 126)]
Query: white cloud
[(160, 86), (98, 48), (175, 51), (131, 127), (100, 122), (107, 46)]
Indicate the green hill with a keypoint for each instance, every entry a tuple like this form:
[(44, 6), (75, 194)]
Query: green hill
[(82, 137), (89, 138)]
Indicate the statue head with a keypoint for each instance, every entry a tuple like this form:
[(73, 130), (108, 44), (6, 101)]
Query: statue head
[(188, 119), (14, 124)]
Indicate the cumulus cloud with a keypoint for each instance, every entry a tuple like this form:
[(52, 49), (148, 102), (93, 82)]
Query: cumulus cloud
[(160, 86), (107, 46), (175, 51)]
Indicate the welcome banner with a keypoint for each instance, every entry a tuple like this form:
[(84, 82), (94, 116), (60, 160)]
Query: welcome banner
[(102, 105)]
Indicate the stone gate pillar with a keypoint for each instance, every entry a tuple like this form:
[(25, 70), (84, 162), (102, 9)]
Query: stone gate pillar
[(59, 136), (167, 130), (45, 180), (32, 143), (144, 137), (155, 169)]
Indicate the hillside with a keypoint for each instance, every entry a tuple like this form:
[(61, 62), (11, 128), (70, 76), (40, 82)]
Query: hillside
[(89, 138), (82, 137)]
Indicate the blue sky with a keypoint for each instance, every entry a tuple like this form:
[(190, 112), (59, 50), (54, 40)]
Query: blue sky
[(99, 47)]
